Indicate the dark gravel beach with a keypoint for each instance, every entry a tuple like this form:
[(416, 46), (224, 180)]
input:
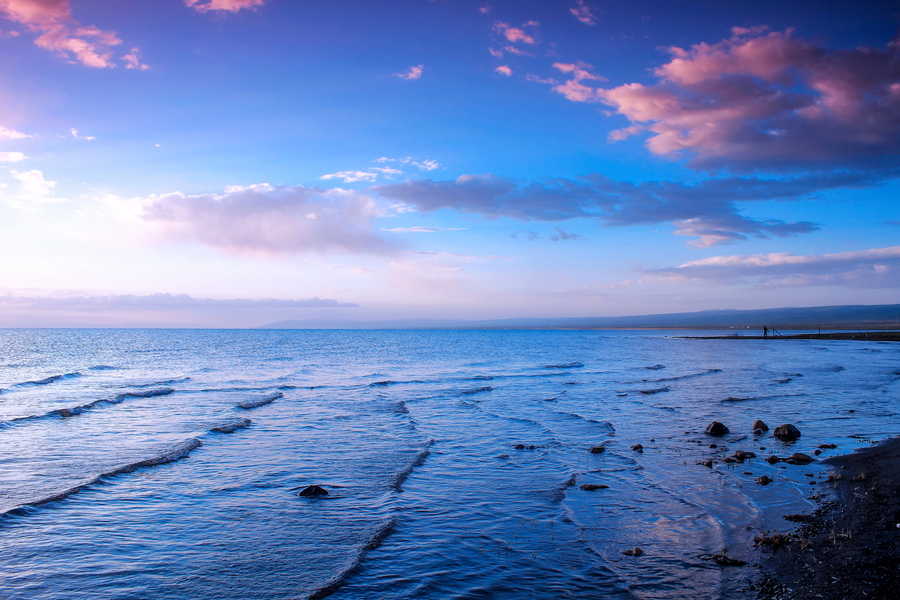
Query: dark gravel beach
[(850, 546)]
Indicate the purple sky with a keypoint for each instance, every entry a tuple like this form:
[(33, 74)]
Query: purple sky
[(237, 162)]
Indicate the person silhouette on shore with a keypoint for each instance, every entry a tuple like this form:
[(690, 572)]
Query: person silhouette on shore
[(765, 332)]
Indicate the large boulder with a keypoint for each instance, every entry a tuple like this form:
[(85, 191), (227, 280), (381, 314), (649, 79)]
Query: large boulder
[(716, 428), (760, 424), (787, 432)]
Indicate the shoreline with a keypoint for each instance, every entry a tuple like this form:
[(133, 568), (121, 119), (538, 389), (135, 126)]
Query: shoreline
[(849, 547), (871, 336)]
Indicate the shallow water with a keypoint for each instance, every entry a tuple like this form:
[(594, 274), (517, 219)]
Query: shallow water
[(129, 469)]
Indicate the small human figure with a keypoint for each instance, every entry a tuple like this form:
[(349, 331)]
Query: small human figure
[(765, 331)]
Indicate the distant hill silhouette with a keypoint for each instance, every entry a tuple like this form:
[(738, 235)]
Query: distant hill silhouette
[(883, 316)]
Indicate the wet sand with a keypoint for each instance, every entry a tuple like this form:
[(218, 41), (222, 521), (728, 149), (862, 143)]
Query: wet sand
[(850, 546)]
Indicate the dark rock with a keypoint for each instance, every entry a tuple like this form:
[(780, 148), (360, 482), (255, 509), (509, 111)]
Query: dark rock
[(598, 449), (706, 463), (800, 459), (776, 540), (716, 428), (519, 446), (636, 552), (764, 480), (743, 455), (713, 445), (758, 432), (817, 452), (723, 560), (65, 412), (787, 432), (637, 448), (313, 491), (531, 447), (828, 446), (590, 487), (773, 459), (758, 424)]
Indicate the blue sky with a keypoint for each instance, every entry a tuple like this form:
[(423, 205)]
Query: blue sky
[(237, 162)]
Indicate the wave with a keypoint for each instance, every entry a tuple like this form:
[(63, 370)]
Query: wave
[(48, 380), (689, 376), (400, 477), (571, 365), (605, 424), (656, 367), (655, 391), (250, 404), (490, 377), (104, 368), (164, 382), (750, 398), (376, 540), (232, 425), (77, 410), (174, 453), (486, 388)]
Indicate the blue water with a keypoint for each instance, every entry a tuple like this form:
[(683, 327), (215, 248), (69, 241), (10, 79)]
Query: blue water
[(166, 463)]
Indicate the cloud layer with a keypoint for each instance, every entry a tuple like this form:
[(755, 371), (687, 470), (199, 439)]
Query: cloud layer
[(272, 219), (705, 210), (131, 302), (762, 100), (875, 268), (225, 5)]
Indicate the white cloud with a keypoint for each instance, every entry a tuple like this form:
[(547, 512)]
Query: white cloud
[(423, 229), (12, 156), (11, 134), (504, 70), (351, 176), (32, 183), (272, 219)]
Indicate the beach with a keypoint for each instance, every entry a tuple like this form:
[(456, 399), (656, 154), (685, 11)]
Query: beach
[(849, 547)]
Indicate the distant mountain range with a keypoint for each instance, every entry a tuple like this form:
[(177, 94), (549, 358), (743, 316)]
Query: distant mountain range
[(883, 316)]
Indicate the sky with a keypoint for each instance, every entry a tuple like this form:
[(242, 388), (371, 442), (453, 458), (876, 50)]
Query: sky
[(231, 163)]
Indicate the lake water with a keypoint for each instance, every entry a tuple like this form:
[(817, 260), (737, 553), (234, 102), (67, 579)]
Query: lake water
[(147, 464)]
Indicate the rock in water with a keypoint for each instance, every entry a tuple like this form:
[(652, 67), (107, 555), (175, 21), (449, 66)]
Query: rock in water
[(590, 487), (798, 458), (716, 428), (637, 448), (597, 449), (764, 480), (313, 491), (758, 424), (787, 432)]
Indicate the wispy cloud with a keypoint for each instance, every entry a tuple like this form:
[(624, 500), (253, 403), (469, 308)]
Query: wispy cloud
[(763, 100), (351, 176), (272, 219), (12, 156), (223, 5), (874, 268), (75, 135), (414, 72), (583, 13), (60, 33), (423, 229), (34, 188), (563, 236)]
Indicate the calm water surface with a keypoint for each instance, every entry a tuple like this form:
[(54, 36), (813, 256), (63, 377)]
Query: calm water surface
[(166, 464)]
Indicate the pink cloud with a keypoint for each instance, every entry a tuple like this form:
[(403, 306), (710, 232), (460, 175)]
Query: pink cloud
[(227, 5), (762, 100), (504, 70), (60, 33), (583, 13), (516, 34), (133, 60), (414, 72), (272, 219)]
